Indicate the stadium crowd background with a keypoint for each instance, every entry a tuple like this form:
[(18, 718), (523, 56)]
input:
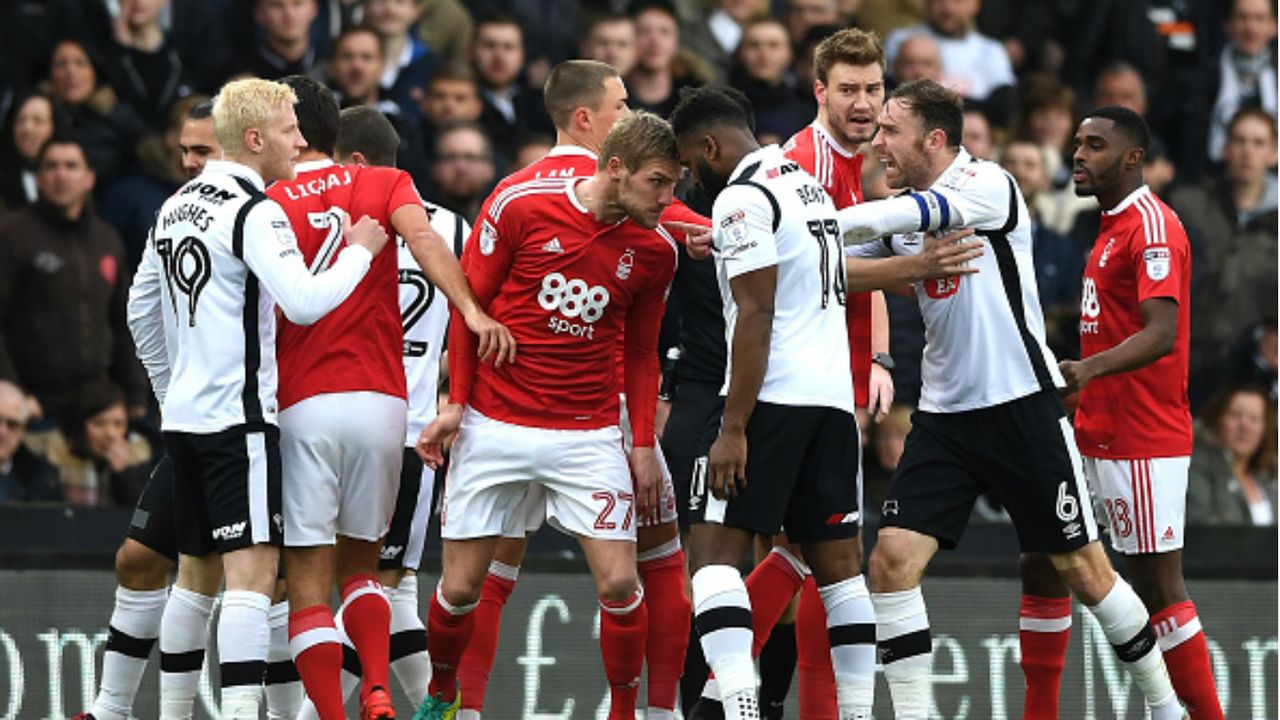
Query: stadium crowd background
[(460, 82)]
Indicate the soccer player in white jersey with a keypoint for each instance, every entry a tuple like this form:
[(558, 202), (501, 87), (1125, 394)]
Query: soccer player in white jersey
[(990, 417), (785, 452), (229, 260)]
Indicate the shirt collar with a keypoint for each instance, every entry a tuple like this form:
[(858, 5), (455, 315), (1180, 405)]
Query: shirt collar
[(568, 149), (235, 169), (310, 165), (821, 132), (758, 155), (1125, 203)]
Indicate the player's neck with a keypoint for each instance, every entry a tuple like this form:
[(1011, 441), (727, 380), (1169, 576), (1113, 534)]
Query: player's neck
[(567, 138), (939, 166), (1109, 199), (593, 193)]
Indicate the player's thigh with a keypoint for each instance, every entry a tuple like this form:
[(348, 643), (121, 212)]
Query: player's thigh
[(153, 524), (191, 513), (373, 452), (588, 485), (491, 469), (415, 499), (694, 406), (826, 503), (242, 484), (1143, 502), (776, 436), (311, 454), (1030, 458), (936, 483)]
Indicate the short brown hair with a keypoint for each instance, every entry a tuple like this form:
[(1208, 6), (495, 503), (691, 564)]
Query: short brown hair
[(366, 130), (639, 138), (850, 45), (937, 107), (1264, 458), (1255, 113), (573, 84)]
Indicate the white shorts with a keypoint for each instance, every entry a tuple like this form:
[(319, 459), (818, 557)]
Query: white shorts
[(341, 454), (666, 493), (498, 469), (1143, 503)]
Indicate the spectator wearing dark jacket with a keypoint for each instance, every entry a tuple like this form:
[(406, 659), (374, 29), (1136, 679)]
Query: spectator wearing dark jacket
[(63, 289), (24, 475)]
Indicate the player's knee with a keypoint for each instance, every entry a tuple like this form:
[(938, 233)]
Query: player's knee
[(460, 591), (140, 568), (892, 567), (617, 586), (1087, 572)]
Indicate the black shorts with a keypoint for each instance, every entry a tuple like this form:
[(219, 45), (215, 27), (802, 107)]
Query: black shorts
[(153, 522), (695, 406), (226, 488), (415, 506), (803, 475), (1023, 451)]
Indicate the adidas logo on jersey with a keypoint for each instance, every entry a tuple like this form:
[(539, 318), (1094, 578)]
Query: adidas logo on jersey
[(553, 245), (1168, 534)]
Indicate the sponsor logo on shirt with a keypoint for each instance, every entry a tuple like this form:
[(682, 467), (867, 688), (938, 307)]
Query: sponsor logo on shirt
[(942, 288), (733, 217), (1090, 307), (573, 300), (1157, 261)]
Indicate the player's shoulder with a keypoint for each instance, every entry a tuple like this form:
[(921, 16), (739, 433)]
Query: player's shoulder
[(973, 175), (536, 194), (1149, 221)]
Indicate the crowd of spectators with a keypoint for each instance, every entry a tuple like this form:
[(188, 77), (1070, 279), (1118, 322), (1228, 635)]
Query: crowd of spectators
[(92, 93)]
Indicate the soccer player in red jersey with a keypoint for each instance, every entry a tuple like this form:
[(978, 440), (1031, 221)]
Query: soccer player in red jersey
[(574, 266), (1133, 422), (848, 84), (585, 99), (342, 407)]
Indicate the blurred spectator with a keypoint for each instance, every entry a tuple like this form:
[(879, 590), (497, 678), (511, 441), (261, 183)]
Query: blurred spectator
[(1100, 32), (63, 286), (1058, 261), (143, 62), (802, 65), (354, 73), (1232, 480), (446, 27), (549, 27), (36, 118), (1245, 72), (660, 71), (99, 461), (406, 60), (1120, 84), (610, 39), (285, 46), (976, 137), (1158, 168), (463, 169), (918, 58), (106, 128), (884, 16), (24, 475), (451, 96), (1232, 225), (763, 74), (1250, 361), (804, 15), (510, 108), (717, 34), (531, 149), (1047, 118), (973, 64), (1025, 29), (130, 204)]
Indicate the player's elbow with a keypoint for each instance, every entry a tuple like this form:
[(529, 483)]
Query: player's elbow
[(1166, 339), (301, 315)]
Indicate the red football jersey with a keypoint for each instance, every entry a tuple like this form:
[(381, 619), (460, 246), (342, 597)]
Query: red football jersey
[(840, 174), (570, 289), (1141, 252), (358, 346)]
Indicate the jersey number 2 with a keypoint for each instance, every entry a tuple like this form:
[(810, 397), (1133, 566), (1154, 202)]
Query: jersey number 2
[(423, 294)]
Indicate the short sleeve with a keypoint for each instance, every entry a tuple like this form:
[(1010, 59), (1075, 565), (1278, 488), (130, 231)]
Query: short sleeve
[(1159, 261), (403, 192), (973, 195), (743, 219)]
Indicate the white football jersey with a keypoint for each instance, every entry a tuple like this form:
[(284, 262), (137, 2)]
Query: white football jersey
[(773, 213), (425, 313), (984, 333), (227, 257)]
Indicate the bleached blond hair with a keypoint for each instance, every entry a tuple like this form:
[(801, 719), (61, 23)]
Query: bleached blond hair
[(244, 104)]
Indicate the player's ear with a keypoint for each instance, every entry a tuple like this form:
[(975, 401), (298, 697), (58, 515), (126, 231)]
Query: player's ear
[(253, 139), (582, 119), (710, 147), (1133, 157), (820, 91)]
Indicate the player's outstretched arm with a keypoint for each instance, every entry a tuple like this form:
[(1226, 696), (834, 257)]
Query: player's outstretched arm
[(754, 293), (1156, 339), (443, 270), (938, 257)]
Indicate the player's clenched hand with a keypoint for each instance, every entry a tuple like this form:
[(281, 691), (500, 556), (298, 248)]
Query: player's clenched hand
[(947, 256), (439, 435), (727, 465), (494, 338), (697, 238), (1076, 373), (367, 233), (646, 475)]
